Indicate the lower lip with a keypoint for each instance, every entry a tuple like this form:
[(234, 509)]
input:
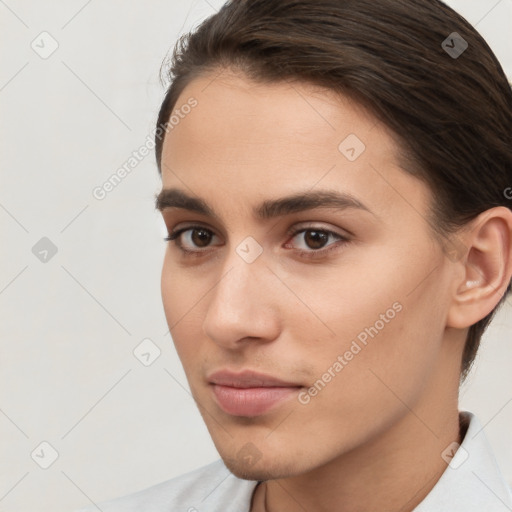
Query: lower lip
[(250, 401)]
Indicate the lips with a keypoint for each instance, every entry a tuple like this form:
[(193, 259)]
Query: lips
[(248, 379), (249, 393)]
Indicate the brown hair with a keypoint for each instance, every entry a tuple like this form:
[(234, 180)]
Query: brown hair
[(451, 114)]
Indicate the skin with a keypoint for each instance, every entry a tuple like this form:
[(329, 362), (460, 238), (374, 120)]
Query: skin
[(355, 446)]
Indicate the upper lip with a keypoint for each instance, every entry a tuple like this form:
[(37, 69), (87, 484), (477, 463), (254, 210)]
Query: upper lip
[(247, 379)]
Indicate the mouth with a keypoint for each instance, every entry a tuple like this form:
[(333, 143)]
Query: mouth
[(249, 393)]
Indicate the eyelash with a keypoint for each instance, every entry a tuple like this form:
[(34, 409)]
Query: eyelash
[(172, 237)]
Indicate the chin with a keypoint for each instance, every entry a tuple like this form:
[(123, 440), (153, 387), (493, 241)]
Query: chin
[(246, 473), (262, 469)]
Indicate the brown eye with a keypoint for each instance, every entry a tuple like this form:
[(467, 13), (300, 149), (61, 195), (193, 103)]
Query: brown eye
[(315, 239), (199, 237)]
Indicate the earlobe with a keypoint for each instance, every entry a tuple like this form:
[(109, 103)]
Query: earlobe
[(487, 268)]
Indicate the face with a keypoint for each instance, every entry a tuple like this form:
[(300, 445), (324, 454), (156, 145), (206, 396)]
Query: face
[(297, 322)]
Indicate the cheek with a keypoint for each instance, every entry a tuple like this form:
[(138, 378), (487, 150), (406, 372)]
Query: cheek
[(185, 298), (339, 303), (181, 291), (377, 334), (179, 296), (352, 399), (169, 292)]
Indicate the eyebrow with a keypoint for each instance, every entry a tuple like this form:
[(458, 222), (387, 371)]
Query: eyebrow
[(269, 209)]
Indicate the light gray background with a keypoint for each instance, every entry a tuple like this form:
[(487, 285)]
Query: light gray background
[(69, 326)]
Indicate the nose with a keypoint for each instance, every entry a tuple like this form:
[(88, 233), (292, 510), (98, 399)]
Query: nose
[(243, 305)]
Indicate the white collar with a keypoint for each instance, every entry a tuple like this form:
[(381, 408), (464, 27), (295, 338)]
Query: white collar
[(472, 482)]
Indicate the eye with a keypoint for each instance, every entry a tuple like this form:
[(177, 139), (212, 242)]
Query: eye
[(315, 239), (199, 237)]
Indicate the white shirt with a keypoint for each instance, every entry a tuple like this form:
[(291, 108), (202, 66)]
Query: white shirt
[(472, 482)]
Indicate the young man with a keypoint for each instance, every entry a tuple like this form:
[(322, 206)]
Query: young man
[(335, 177)]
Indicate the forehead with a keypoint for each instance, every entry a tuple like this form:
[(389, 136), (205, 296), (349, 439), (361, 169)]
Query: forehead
[(229, 103), (248, 139)]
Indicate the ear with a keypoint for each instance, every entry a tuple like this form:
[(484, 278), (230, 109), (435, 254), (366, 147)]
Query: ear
[(486, 267)]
